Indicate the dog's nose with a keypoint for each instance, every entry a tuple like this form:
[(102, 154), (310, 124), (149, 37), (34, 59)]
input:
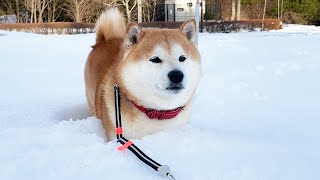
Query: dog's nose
[(175, 76)]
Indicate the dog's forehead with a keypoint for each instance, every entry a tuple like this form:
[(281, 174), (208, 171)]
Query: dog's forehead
[(170, 41), (172, 49), (165, 43)]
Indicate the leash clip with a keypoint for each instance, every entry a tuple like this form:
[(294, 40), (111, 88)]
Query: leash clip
[(115, 87)]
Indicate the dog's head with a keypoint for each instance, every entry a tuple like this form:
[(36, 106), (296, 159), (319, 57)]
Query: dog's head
[(161, 68)]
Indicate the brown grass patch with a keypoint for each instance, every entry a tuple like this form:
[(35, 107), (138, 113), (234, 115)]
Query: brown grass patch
[(81, 28), (50, 28)]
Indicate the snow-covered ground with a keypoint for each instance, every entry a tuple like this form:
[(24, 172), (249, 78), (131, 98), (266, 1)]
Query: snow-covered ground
[(256, 114)]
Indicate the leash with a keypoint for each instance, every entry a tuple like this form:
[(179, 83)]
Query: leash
[(163, 170)]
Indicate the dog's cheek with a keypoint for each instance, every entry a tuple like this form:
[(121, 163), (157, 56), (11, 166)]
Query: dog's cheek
[(131, 75), (156, 77), (143, 75), (193, 74)]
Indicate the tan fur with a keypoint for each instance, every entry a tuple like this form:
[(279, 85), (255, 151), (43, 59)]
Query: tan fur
[(110, 24), (109, 57)]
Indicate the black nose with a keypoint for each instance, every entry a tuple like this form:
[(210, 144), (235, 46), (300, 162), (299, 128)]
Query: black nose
[(175, 76)]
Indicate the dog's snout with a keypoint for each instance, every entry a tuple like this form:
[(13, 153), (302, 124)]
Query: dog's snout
[(175, 76)]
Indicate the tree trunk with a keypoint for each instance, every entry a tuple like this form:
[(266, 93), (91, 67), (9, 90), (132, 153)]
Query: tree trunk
[(238, 10), (233, 10), (40, 18), (139, 11), (264, 13), (53, 11), (32, 10), (35, 14), (154, 8), (281, 9), (128, 11), (278, 9), (18, 11), (49, 10), (78, 18)]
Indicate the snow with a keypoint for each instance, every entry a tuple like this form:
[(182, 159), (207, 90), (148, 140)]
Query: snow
[(255, 115), (299, 28)]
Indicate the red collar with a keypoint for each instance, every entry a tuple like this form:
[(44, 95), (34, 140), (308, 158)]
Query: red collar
[(159, 114)]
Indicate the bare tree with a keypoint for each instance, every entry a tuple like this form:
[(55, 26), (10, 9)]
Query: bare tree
[(253, 11), (82, 10), (7, 6), (129, 6), (13, 7), (154, 9), (235, 10), (17, 10), (146, 10), (54, 9), (41, 5), (30, 5), (149, 10)]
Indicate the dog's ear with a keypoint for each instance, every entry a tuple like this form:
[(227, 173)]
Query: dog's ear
[(134, 34), (189, 29)]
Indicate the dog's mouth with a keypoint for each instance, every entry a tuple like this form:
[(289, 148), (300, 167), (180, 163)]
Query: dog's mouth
[(175, 88)]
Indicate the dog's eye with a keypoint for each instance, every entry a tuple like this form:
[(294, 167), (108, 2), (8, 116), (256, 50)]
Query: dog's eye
[(155, 59), (182, 58)]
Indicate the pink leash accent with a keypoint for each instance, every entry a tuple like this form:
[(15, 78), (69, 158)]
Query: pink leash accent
[(125, 146)]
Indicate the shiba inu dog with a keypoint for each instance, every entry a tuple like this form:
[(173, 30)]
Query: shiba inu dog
[(157, 71)]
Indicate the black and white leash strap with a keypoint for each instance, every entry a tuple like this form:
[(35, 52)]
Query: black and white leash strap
[(163, 170)]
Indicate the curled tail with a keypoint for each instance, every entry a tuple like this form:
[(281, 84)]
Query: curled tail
[(111, 24)]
